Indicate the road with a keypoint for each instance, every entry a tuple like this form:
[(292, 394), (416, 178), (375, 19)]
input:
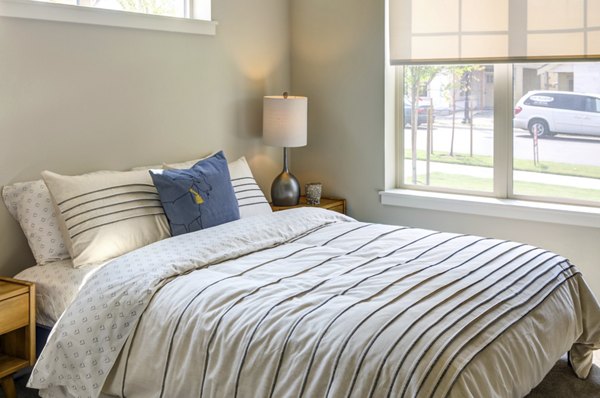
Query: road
[(563, 149)]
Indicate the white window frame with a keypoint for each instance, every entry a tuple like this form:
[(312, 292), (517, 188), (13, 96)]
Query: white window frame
[(30, 9), (501, 202)]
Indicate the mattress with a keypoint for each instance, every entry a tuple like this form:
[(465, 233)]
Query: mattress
[(310, 303), (56, 285)]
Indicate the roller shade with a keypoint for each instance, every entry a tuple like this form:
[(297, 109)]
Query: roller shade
[(485, 31)]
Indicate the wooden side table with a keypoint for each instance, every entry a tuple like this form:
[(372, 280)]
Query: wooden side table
[(333, 204), (17, 330)]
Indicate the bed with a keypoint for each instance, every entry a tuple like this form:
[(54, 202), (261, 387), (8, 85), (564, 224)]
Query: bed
[(178, 281), (310, 303)]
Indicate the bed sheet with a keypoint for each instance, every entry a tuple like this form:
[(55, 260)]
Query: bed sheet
[(56, 285)]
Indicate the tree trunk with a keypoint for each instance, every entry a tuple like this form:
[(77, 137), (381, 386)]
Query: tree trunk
[(453, 113), (471, 126), (430, 122), (414, 120)]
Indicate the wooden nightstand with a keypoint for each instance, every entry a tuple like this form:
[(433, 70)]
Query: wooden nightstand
[(17, 330), (338, 205)]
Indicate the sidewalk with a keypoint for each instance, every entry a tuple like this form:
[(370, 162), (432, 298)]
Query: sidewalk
[(482, 120), (525, 176)]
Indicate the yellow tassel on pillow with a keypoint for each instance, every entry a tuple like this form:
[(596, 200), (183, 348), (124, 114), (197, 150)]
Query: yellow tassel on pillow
[(197, 198)]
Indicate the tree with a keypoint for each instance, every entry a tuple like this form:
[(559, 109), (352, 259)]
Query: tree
[(159, 7), (416, 77), (461, 78)]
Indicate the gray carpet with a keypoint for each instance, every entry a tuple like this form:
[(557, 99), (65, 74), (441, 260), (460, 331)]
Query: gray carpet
[(560, 383)]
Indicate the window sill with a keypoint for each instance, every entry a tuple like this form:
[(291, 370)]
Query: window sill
[(97, 16), (504, 208)]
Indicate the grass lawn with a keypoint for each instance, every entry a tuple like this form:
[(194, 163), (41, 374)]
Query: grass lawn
[(567, 169), (520, 188)]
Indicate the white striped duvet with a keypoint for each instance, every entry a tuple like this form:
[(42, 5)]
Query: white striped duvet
[(307, 303)]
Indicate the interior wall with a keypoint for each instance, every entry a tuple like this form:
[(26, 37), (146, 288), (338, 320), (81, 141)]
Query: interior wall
[(76, 98), (337, 61)]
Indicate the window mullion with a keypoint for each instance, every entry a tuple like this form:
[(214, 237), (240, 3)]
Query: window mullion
[(399, 126), (189, 8), (503, 130), (510, 135)]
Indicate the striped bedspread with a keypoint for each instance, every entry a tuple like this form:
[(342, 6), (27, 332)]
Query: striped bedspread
[(308, 303)]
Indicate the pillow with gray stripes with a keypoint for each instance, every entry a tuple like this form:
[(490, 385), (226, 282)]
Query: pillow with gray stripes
[(251, 200), (105, 215)]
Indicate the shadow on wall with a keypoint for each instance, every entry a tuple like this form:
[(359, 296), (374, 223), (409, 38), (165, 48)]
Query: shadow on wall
[(248, 111)]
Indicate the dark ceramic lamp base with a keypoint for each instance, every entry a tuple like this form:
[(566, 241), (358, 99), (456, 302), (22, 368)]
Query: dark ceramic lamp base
[(285, 190)]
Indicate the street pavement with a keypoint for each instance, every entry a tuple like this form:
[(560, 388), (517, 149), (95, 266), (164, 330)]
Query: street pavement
[(561, 149)]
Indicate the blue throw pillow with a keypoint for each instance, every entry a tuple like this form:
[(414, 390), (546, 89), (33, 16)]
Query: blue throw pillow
[(199, 197)]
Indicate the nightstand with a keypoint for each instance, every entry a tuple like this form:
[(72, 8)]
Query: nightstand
[(17, 330), (338, 205)]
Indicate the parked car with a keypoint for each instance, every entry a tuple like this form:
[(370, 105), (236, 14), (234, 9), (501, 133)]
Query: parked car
[(558, 112), (422, 113)]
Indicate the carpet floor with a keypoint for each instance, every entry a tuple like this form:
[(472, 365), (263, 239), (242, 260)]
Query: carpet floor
[(559, 383)]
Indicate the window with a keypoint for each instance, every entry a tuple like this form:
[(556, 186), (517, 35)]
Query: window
[(522, 131), (171, 8), (187, 16), (449, 142)]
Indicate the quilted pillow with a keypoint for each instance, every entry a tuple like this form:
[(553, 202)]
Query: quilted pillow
[(31, 206), (251, 200), (199, 197), (104, 215)]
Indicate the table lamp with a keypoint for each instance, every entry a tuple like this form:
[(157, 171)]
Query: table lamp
[(284, 125)]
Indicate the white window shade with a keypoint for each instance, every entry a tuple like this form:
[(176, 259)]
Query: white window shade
[(484, 31)]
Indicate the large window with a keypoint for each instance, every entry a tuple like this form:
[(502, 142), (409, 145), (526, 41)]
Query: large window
[(525, 131)]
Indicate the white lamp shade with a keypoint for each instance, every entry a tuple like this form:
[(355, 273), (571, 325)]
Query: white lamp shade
[(284, 121)]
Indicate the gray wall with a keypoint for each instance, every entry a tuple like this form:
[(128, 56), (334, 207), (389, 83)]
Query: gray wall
[(77, 98), (338, 62)]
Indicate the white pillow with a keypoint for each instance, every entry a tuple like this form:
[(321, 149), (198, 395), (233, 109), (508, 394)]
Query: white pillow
[(251, 200), (105, 215), (31, 205)]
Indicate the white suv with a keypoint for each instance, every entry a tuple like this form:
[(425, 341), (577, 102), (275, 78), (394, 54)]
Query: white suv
[(558, 112)]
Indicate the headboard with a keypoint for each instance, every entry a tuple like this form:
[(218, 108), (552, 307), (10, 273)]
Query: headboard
[(15, 254)]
